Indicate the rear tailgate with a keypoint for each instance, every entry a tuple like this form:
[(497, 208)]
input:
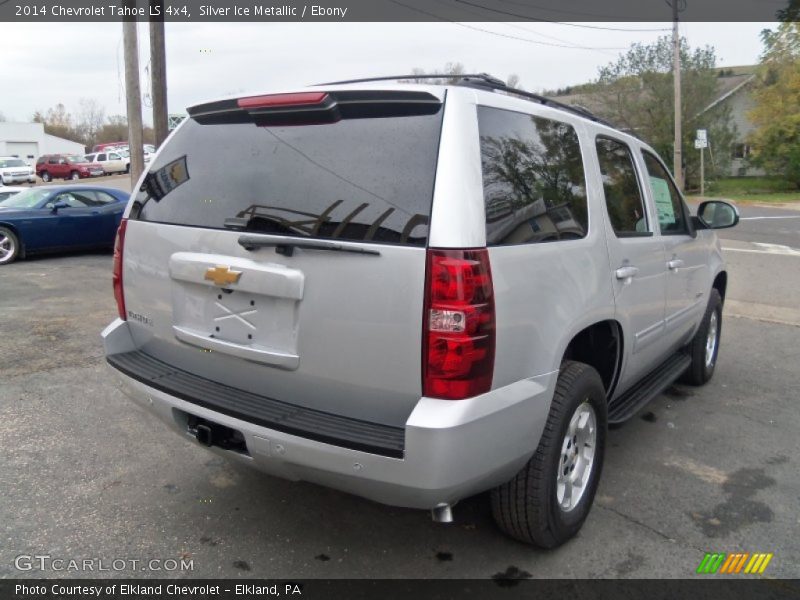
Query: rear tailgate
[(280, 250)]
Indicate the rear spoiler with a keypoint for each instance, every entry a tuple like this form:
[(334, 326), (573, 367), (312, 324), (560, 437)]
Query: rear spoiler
[(317, 107)]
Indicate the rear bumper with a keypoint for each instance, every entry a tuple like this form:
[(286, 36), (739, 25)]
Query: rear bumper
[(452, 450)]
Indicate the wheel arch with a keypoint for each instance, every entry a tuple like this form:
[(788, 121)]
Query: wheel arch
[(721, 284), (599, 345), (15, 230)]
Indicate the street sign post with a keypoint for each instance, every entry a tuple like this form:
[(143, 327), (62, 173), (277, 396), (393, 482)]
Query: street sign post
[(701, 143)]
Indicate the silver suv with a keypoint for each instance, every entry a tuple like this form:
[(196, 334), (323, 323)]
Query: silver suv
[(414, 293)]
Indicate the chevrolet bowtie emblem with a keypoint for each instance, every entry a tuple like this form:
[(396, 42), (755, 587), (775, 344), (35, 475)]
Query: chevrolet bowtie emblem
[(222, 275)]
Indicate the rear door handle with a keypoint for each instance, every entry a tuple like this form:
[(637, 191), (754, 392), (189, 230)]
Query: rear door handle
[(626, 272), (675, 263)]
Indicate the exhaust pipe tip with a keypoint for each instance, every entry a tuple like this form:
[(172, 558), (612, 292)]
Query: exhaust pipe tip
[(203, 435), (443, 513)]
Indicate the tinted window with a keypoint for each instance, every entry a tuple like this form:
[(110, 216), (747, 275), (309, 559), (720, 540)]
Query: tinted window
[(74, 199), (98, 198), (534, 186), (669, 205), (101, 157), (621, 188), (363, 179)]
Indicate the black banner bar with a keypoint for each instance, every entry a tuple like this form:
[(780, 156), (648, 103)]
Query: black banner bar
[(222, 11), (702, 588)]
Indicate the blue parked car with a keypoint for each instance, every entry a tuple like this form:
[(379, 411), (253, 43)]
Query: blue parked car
[(62, 217)]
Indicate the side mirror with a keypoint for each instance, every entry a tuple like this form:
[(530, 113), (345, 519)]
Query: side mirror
[(59, 204), (717, 214)]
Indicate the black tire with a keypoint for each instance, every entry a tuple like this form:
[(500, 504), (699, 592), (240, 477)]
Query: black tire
[(75, 176), (702, 368), (9, 246), (127, 168), (527, 507), (46, 177)]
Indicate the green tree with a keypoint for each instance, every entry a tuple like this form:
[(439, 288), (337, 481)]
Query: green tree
[(776, 115), (636, 93)]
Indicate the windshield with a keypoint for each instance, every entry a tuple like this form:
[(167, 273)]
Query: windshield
[(11, 162), (27, 199)]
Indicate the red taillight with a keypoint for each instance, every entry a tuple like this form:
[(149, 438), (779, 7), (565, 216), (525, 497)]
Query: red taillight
[(119, 245), (459, 324), (300, 99)]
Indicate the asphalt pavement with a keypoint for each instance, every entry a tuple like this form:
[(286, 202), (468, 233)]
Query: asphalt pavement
[(87, 474)]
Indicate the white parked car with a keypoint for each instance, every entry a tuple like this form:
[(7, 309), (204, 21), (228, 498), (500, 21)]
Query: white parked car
[(147, 151), (7, 191), (15, 170), (112, 162)]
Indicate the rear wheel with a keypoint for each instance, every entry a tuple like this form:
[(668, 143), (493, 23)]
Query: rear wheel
[(9, 246), (46, 177), (704, 346), (74, 176), (546, 503)]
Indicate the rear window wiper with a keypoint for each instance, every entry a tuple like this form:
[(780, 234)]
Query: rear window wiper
[(286, 246)]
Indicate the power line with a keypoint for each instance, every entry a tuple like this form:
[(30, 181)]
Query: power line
[(529, 18), (544, 35), (504, 35), (579, 13)]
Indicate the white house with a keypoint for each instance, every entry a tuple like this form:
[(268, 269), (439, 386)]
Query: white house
[(28, 141)]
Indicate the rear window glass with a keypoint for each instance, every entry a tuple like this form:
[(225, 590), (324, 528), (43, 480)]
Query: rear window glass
[(533, 181), (365, 179)]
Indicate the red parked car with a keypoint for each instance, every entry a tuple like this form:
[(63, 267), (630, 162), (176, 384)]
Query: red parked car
[(66, 166)]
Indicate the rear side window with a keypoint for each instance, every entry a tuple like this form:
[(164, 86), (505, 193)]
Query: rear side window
[(621, 188), (669, 207), (358, 179), (534, 185)]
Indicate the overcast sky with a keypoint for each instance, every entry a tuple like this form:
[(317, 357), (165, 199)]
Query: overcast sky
[(48, 63)]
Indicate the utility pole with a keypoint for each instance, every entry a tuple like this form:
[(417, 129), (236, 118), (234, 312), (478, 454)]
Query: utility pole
[(702, 173), (158, 72), (133, 95), (677, 157)]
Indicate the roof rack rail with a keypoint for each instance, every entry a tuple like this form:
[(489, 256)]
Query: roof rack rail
[(412, 76), (485, 81)]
